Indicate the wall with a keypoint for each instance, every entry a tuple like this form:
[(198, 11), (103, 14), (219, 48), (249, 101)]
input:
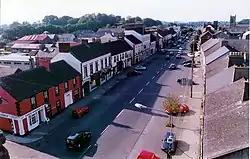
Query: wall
[(9, 105), (106, 38)]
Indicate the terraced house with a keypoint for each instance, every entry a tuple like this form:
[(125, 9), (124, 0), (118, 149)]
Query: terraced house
[(33, 96)]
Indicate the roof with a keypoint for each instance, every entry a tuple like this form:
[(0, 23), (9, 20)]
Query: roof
[(5, 71), (117, 47), (15, 57), (86, 52), (216, 66), (226, 121), (27, 83), (152, 38), (214, 83), (112, 30), (208, 44), (34, 37), (242, 45), (133, 39), (218, 53), (65, 36), (24, 42), (62, 71), (212, 49), (26, 46), (50, 53)]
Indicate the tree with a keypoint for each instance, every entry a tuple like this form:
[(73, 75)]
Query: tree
[(193, 46), (170, 104), (4, 154)]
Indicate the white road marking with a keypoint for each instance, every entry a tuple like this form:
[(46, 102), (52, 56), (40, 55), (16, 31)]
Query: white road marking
[(157, 72), (132, 100), (119, 114), (161, 68), (165, 64), (153, 77), (80, 157), (147, 83), (140, 91), (105, 129)]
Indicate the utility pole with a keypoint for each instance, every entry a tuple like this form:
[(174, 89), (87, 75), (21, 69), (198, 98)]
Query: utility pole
[(192, 71)]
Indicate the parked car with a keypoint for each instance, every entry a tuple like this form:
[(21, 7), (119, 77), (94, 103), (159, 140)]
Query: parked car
[(78, 112), (172, 66), (190, 55), (180, 48), (178, 56), (133, 73), (169, 143), (189, 65), (141, 67), (167, 57), (181, 108), (147, 155), (187, 61), (171, 53), (78, 140)]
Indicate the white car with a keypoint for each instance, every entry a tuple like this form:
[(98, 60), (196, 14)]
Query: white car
[(140, 67), (180, 48), (190, 55)]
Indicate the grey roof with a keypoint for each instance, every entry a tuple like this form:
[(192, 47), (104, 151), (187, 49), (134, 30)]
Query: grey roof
[(220, 80), (239, 44), (215, 55), (217, 66), (112, 30), (5, 71), (208, 44), (65, 36), (240, 154), (49, 52), (221, 34), (92, 35), (227, 130), (212, 49)]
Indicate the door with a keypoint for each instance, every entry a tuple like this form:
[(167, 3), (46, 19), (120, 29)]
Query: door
[(68, 98), (86, 88)]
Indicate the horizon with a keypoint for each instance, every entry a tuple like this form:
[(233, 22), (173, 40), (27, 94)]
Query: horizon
[(171, 14)]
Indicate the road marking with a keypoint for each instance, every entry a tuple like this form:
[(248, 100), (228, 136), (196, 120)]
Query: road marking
[(119, 114), (165, 64), (157, 72), (140, 91), (80, 157), (161, 68), (147, 83), (105, 129), (153, 77), (132, 100)]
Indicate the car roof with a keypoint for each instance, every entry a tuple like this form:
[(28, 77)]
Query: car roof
[(74, 135), (168, 133)]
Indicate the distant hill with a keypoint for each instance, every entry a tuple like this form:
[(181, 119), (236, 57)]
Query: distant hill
[(244, 21)]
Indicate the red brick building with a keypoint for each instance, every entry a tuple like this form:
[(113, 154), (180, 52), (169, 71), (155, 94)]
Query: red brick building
[(31, 97)]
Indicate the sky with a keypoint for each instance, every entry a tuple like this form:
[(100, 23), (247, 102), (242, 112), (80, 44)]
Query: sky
[(165, 10)]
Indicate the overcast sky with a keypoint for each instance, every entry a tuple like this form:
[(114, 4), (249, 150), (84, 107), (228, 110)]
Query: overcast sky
[(166, 10)]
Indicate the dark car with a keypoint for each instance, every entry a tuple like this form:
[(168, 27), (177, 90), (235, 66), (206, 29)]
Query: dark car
[(172, 66), (171, 53), (167, 57), (78, 140), (178, 56), (169, 143), (187, 61), (2, 138), (133, 73)]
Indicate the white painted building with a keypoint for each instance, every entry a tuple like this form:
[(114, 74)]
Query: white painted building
[(103, 38), (137, 46), (15, 60)]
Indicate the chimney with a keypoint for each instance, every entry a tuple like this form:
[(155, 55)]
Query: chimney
[(42, 61), (246, 91), (241, 72), (85, 41), (64, 47)]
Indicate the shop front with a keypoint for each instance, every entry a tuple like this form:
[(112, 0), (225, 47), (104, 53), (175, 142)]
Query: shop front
[(95, 80)]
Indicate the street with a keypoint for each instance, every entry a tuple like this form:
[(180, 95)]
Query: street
[(116, 124)]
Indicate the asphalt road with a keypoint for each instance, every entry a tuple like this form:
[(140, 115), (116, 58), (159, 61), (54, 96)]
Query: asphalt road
[(114, 121)]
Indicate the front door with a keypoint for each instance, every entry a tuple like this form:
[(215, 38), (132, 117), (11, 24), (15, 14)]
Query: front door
[(86, 88)]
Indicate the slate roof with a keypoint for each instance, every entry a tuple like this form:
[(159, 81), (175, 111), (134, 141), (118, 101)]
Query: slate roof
[(27, 83), (152, 38), (242, 45), (39, 37), (218, 53), (86, 52), (133, 39), (62, 71), (217, 66), (117, 47), (5, 71), (212, 49), (208, 44)]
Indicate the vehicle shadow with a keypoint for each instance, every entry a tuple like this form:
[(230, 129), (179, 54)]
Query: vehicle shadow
[(189, 113), (182, 147), (121, 125)]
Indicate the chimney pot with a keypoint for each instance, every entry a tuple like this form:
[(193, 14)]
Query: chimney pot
[(64, 47)]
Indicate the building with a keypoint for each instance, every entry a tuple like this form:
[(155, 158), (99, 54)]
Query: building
[(5, 71), (137, 46), (103, 37), (31, 97), (232, 21), (115, 32), (21, 61), (152, 43), (66, 38)]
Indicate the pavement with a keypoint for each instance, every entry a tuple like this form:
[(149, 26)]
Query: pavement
[(121, 130)]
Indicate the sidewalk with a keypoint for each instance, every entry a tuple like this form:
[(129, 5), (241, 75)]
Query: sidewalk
[(188, 127), (45, 129)]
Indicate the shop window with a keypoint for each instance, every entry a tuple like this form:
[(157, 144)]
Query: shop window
[(115, 59), (96, 66), (122, 56), (85, 71), (106, 62), (74, 81), (91, 68), (33, 119), (57, 90), (33, 102), (46, 96), (101, 63), (110, 61), (66, 86)]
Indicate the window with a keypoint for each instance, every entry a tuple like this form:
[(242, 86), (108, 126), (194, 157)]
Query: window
[(66, 85), (118, 58), (122, 56), (7, 62), (74, 81), (114, 58), (101, 63), (57, 90), (46, 97), (96, 66), (17, 63), (110, 61), (106, 62), (76, 92), (33, 102), (33, 119), (91, 68), (85, 71), (58, 103), (144, 46), (26, 63)]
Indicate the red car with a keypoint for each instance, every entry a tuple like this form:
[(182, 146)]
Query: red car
[(178, 56), (181, 108), (147, 155), (80, 111), (172, 66)]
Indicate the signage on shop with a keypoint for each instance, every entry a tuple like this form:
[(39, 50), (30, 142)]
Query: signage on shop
[(9, 116)]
